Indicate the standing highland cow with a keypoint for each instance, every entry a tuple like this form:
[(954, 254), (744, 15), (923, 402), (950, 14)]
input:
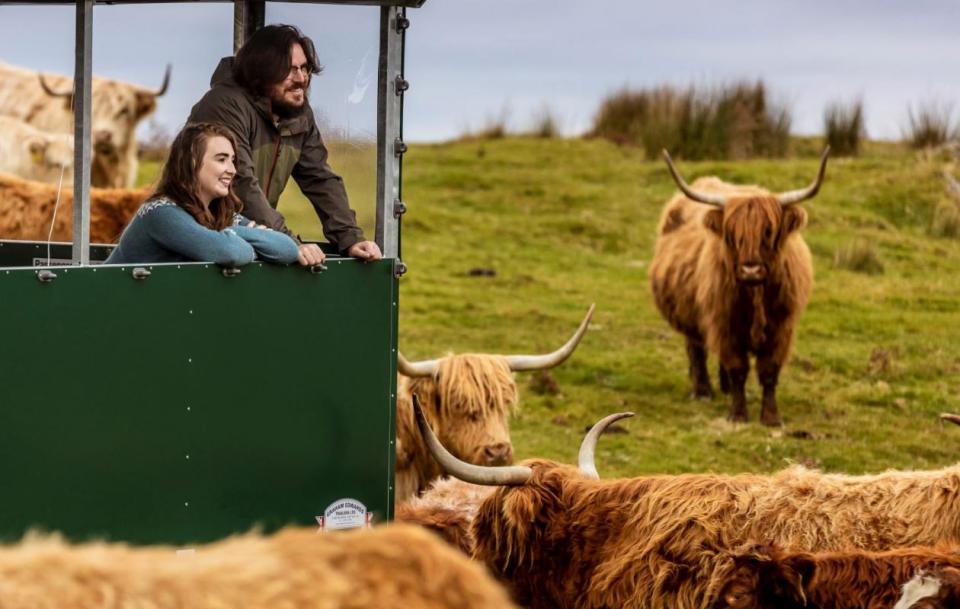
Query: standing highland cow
[(731, 272)]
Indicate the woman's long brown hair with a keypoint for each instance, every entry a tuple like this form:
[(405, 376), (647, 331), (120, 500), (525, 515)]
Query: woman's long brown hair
[(178, 182)]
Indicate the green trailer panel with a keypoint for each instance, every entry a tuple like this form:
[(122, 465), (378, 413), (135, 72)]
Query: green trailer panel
[(188, 405)]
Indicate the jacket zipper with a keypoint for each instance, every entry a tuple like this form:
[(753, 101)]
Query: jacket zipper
[(276, 157)]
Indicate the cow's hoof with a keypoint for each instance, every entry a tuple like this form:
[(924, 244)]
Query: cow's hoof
[(702, 393), (771, 420)]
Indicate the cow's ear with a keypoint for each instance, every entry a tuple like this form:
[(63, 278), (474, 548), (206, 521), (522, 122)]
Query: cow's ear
[(794, 218), (146, 103), (713, 220)]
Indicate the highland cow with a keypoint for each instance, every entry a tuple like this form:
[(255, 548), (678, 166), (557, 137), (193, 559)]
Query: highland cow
[(467, 398), (389, 566), (26, 211), (117, 109), (563, 538), (767, 577), (731, 272), (447, 508)]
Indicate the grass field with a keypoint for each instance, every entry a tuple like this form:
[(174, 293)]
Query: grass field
[(568, 222)]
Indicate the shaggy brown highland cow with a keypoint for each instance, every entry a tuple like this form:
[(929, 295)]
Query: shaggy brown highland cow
[(939, 589), (26, 209), (389, 566), (563, 538), (731, 272), (767, 577), (467, 398), (447, 508)]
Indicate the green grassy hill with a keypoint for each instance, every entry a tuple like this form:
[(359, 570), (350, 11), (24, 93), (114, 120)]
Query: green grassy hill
[(568, 222)]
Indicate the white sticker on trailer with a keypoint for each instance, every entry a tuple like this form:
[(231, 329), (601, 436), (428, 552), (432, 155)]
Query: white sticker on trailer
[(345, 513)]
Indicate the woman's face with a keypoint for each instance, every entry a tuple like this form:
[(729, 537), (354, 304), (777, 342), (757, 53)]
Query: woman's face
[(217, 170)]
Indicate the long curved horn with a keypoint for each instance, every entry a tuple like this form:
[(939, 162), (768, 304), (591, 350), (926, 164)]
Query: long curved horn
[(710, 199), (414, 369), (539, 362), (793, 197), (953, 418), (166, 82), (589, 445), (49, 91), (508, 475)]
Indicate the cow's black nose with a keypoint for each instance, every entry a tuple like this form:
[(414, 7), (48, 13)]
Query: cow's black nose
[(498, 454)]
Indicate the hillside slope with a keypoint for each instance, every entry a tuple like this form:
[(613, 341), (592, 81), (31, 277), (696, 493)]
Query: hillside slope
[(570, 222)]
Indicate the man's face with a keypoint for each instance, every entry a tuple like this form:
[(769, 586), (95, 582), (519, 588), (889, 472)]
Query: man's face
[(289, 97)]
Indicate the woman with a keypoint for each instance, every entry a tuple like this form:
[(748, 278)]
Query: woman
[(194, 214)]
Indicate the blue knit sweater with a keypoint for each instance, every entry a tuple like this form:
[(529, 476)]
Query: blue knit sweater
[(162, 231)]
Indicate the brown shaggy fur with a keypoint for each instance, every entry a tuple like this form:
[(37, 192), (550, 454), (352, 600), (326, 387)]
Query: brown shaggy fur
[(26, 209), (946, 597), (447, 508), (662, 542), (767, 577), (390, 566), (467, 403), (695, 276)]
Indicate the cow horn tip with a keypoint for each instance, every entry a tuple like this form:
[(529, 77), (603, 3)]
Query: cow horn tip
[(949, 416)]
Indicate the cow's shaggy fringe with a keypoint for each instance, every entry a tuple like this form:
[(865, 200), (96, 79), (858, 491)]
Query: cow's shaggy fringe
[(662, 542), (26, 209), (779, 579), (467, 402), (390, 566)]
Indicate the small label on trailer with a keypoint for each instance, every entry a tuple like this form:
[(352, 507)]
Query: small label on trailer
[(344, 514), (58, 262)]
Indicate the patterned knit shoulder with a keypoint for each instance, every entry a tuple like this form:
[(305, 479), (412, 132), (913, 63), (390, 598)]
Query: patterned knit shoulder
[(153, 204)]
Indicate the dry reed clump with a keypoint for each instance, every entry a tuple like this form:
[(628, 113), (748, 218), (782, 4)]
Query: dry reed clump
[(735, 121), (859, 256), (843, 127), (930, 124)]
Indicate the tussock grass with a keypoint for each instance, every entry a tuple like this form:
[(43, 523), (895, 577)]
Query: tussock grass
[(930, 124), (733, 121), (843, 127), (568, 222), (546, 124), (859, 256), (946, 219)]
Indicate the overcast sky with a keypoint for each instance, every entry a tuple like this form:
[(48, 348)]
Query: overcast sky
[(469, 61)]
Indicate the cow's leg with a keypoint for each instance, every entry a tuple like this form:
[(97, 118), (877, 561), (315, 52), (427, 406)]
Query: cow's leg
[(738, 367), (768, 371), (697, 355), (724, 379)]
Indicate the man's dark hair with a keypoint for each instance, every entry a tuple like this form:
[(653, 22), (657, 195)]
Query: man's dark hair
[(264, 60)]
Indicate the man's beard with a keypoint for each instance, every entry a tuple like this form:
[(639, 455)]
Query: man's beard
[(285, 110)]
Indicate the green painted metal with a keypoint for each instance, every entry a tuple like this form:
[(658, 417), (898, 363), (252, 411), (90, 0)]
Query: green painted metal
[(186, 406)]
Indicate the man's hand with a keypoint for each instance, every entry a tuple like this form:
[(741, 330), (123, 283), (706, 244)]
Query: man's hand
[(368, 251), (310, 254)]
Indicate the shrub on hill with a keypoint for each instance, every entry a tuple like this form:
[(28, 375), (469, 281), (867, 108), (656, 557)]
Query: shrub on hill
[(735, 121)]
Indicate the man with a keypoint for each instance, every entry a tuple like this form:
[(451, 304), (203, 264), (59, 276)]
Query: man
[(261, 95)]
